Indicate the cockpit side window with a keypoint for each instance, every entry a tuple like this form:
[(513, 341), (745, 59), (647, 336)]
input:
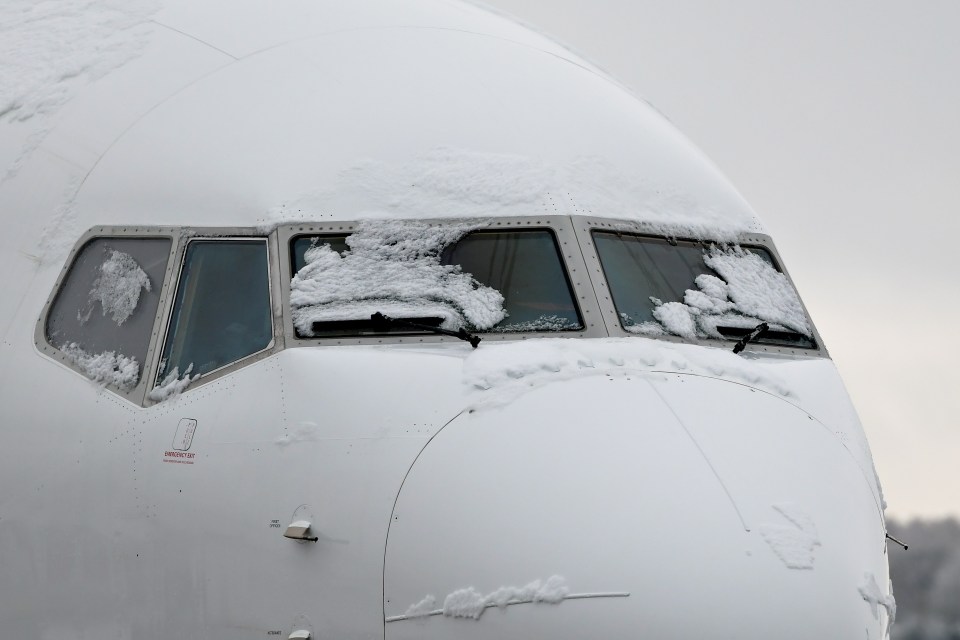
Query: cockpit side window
[(695, 290), (221, 310), (104, 312)]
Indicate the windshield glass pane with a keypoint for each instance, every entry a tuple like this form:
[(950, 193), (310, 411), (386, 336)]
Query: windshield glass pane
[(221, 312), (693, 290), (525, 267), (448, 276), (106, 308)]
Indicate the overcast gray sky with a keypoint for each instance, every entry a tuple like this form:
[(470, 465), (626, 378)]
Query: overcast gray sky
[(840, 123)]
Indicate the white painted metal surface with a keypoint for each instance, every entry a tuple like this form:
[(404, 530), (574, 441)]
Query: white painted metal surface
[(673, 492)]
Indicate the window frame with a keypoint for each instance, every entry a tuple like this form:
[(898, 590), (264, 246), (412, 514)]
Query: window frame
[(584, 227), (217, 235), (573, 235), (180, 238), (140, 390), (569, 252)]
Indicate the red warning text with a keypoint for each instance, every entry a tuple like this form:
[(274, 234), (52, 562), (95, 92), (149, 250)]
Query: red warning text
[(179, 457)]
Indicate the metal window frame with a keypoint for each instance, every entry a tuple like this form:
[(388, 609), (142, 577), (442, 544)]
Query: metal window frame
[(180, 238), (576, 249), (571, 259), (584, 227)]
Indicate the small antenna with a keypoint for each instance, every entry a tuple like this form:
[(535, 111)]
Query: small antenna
[(890, 537)]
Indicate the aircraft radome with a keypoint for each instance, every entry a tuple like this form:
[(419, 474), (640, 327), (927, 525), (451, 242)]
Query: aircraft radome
[(249, 249)]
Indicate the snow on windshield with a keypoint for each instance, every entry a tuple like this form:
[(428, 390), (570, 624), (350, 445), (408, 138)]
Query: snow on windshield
[(393, 267), (172, 385), (104, 368), (751, 291), (543, 323), (117, 287)]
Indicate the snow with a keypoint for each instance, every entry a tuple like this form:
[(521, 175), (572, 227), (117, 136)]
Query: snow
[(173, 385), (104, 368), (467, 183), (870, 592), (499, 373), (553, 591), (677, 318), (118, 286), (757, 289), (393, 267), (465, 603), (421, 609), (543, 323), (49, 50), (751, 292), (876, 481), (712, 286), (794, 543), (470, 603)]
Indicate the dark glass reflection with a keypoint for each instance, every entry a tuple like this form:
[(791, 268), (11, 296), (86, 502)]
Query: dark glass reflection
[(639, 268), (222, 308), (525, 267)]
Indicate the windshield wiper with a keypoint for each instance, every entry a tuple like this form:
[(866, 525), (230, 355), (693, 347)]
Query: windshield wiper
[(380, 319), (758, 331)]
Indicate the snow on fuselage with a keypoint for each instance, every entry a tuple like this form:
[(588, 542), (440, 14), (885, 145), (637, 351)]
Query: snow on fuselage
[(562, 482)]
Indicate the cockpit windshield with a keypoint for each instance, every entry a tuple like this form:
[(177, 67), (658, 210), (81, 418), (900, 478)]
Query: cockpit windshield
[(524, 266), (695, 290), (449, 276)]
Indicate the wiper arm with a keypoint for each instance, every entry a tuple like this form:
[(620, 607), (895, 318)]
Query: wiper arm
[(379, 318), (758, 331)]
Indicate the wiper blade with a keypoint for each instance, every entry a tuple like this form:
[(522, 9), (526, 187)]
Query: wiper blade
[(379, 318), (779, 336), (758, 331)]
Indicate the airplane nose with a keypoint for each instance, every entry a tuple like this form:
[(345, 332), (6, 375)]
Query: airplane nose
[(619, 507)]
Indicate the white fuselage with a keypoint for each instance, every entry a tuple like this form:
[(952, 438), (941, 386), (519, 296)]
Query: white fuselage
[(599, 485)]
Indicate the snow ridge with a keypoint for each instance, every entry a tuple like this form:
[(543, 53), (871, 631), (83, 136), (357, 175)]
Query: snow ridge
[(514, 369), (108, 367), (470, 603), (447, 181)]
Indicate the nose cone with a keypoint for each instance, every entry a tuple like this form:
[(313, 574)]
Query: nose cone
[(667, 507)]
